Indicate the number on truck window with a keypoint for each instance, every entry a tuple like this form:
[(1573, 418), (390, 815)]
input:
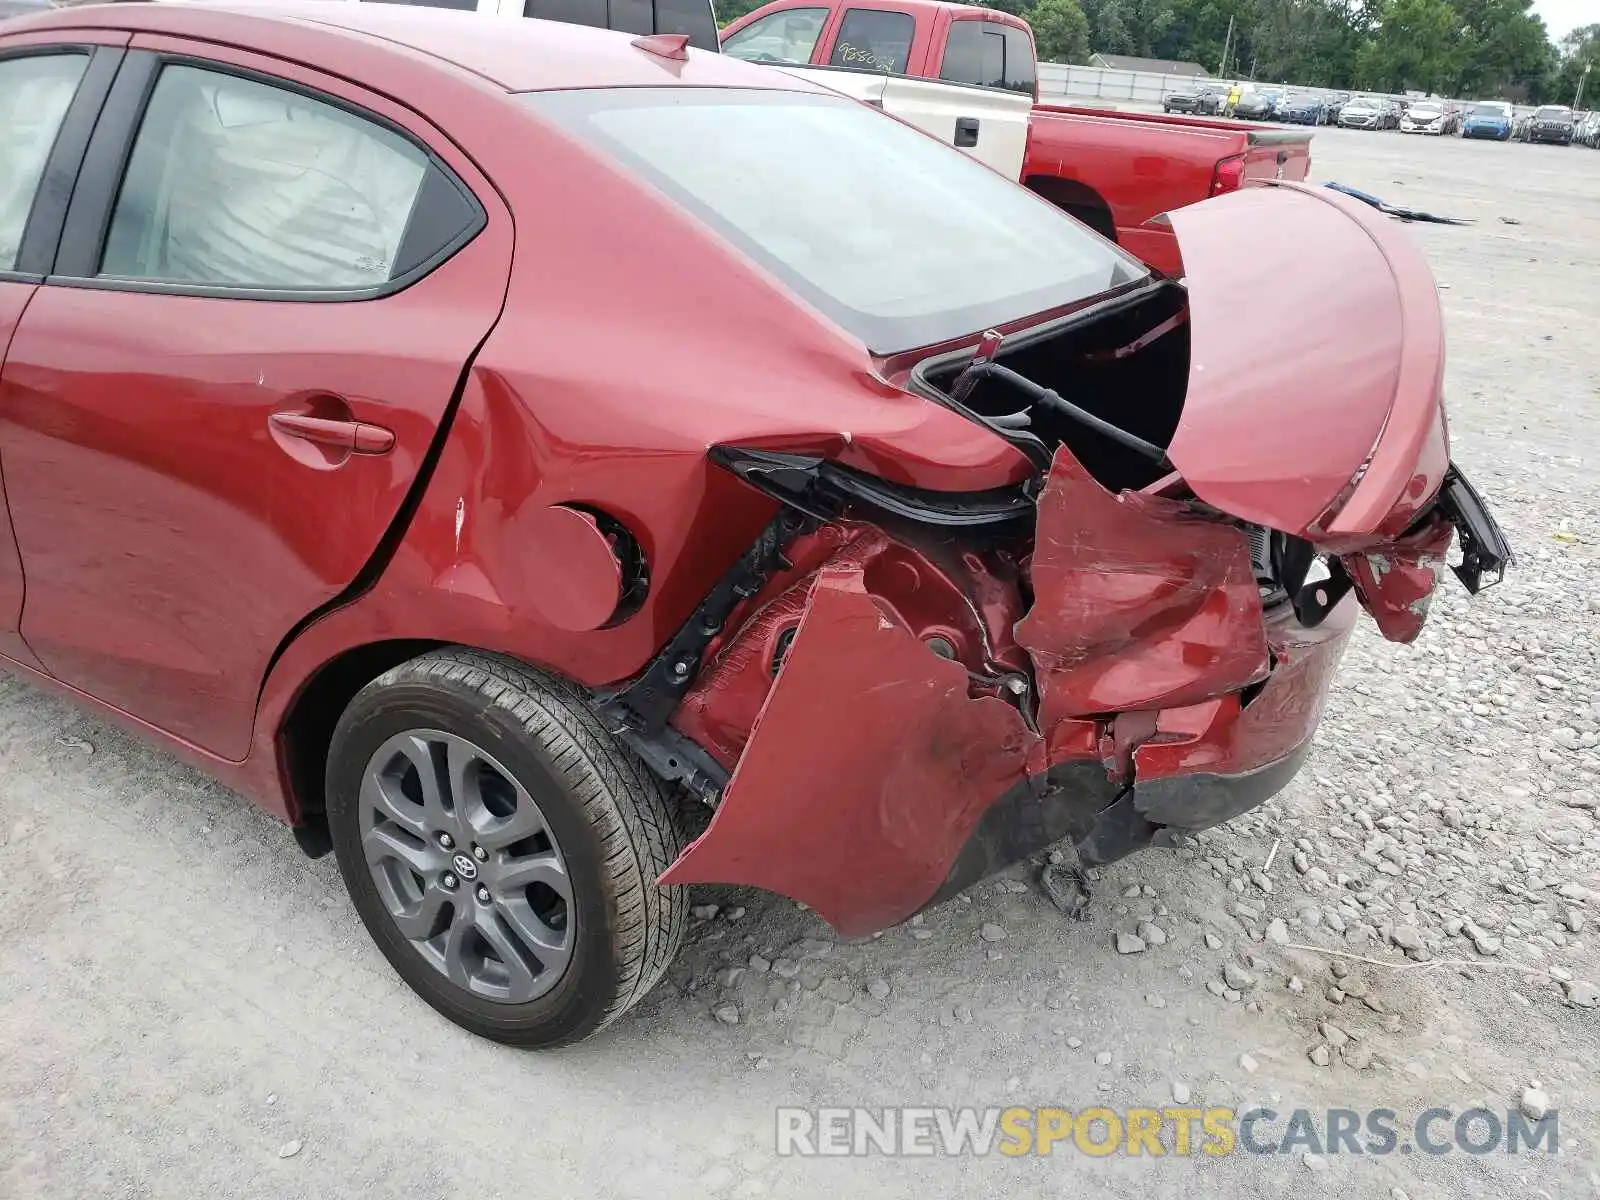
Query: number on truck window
[(789, 36), (874, 40)]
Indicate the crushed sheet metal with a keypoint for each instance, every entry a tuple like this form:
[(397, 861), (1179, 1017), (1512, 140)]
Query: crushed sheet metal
[(1396, 582), (1224, 736), (1139, 603), (868, 748)]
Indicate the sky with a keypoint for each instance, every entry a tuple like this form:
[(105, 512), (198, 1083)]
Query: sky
[(1561, 17)]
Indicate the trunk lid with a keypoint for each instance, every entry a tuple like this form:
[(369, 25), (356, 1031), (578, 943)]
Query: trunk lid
[(1321, 415)]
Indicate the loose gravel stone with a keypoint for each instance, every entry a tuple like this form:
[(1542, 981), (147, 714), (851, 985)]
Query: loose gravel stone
[(1103, 1058), (728, 1014), (1321, 1055), (1213, 942), (1129, 943), (1581, 993), (704, 912), (992, 932), (1180, 1092), (1533, 1102), (878, 989), (1152, 933), (1250, 1065), (1237, 978)]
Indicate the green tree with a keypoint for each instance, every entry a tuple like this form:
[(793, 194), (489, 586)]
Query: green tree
[(1502, 43), (1060, 30), (1417, 45), (1578, 49)]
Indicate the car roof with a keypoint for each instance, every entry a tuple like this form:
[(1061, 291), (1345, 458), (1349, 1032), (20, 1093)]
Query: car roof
[(518, 54)]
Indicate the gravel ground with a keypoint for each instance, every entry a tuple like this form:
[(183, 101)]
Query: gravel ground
[(188, 1007)]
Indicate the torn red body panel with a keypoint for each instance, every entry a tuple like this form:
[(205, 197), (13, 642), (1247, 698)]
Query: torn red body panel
[(866, 770), (1226, 737), (1396, 581), (1139, 603), (1143, 608)]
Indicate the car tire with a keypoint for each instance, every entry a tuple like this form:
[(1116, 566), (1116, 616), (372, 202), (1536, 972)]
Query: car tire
[(514, 754)]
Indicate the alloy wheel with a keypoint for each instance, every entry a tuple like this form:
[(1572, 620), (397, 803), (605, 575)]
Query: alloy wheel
[(467, 866)]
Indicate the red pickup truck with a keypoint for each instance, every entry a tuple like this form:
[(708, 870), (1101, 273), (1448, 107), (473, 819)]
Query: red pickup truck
[(969, 75)]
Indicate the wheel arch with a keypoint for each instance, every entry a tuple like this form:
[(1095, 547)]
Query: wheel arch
[(1076, 199), (306, 730)]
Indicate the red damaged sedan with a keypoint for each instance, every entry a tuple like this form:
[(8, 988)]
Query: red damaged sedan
[(561, 466)]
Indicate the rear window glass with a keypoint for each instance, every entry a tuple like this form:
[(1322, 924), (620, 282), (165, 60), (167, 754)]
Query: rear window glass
[(989, 54), (786, 37), (974, 52), (691, 17), (1021, 73), (873, 39), (813, 188)]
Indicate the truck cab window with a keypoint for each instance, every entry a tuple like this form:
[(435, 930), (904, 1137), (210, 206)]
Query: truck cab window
[(573, 12), (974, 52), (787, 37), (873, 39)]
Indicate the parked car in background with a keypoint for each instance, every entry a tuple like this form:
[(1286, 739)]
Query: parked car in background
[(968, 77), (1274, 98), (540, 631), (1489, 119), (1430, 117), (1207, 100), (1550, 123), (1306, 109), (1253, 105), (1334, 106), (1587, 130), (1364, 113)]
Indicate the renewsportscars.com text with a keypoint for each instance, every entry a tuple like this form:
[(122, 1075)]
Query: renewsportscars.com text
[(1180, 1131)]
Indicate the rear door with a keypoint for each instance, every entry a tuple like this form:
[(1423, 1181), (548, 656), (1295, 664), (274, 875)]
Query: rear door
[(50, 95), (270, 284)]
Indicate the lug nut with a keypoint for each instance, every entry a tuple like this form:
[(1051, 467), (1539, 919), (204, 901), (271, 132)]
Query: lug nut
[(479, 853), (448, 881), (483, 894), (446, 841)]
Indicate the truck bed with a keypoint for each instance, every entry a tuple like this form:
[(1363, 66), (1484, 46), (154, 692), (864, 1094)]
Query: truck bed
[(1117, 170)]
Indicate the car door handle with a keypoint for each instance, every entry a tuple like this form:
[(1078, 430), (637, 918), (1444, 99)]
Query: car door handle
[(966, 132), (358, 437)]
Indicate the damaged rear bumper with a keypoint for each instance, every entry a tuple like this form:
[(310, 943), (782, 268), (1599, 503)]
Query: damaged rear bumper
[(880, 775)]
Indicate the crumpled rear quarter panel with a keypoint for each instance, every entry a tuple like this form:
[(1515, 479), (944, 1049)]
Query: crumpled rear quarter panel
[(1139, 603), (866, 769)]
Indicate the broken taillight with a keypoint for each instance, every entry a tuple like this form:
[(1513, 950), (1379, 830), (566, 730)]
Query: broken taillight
[(1229, 176)]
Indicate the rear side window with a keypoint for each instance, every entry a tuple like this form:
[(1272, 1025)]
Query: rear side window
[(458, 5), (572, 12), (1021, 74), (988, 54), (691, 17), (974, 54), (237, 183), (786, 37), (872, 39), (35, 92)]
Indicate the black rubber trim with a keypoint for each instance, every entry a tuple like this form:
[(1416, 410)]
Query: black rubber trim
[(42, 233), (826, 491), (83, 232), (425, 245), (1204, 799)]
